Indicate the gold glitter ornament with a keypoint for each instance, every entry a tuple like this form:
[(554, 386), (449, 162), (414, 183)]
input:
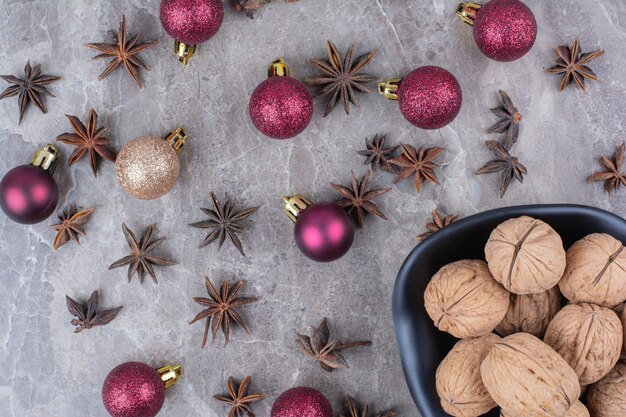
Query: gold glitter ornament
[(147, 167)]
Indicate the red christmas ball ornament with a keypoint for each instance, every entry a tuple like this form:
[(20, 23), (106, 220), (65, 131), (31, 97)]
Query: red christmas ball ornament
[(301, 402), (323, 231), (134, 389), (429, 97), (504, 30), (191, 22), (280, 107), (28, 193)]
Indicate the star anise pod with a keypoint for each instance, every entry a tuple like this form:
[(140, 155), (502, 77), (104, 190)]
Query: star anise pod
[(341, 79), (70, 225), (238, 398), (438, 222), (87, 315), (29, 89), (509, 120), (223, 221), (122, 52), (377, 155), (353, 410), (418, 162), (87, 139), (141, 259), (572, 65), (221, 309), (323, 349), (505, 163), (613, 177), (358, 198), (248, 7)]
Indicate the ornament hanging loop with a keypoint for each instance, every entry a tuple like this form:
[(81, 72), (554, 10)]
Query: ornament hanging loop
[(295, 205), (278, 68), (389, 88), (467, 12), (170, 374), (177, 139), (46, 158), (184, 52)]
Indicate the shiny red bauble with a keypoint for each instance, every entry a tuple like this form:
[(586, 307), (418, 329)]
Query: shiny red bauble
[(429, 97), (192, 21), (504, 30), (281, 107), (301, 402), (29, 193)]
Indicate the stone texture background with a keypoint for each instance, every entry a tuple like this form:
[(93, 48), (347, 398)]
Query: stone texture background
[(49, 371)]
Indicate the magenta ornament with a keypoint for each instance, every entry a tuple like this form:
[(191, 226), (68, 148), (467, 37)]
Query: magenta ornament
[(134, 389), (301, 402), (323, 231), (280, 107), (504, 30), (429, 97), (28, 193)]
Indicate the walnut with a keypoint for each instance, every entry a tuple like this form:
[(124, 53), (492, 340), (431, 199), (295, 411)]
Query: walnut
[(576, 410), (527, 378), (596, 271), (525, 255), (463, 299), (588, 337), (607, 397), (624, 327), (458, 381), (530, 313)]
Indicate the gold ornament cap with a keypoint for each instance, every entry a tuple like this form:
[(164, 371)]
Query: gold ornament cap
[(467, 12), (278, 68), (184, 52), (177, 138), (46, 158), (170, 374), (389, 88), (295, 205)]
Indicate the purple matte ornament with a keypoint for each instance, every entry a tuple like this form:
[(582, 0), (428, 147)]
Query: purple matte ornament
[(28, 194), (324, 232)]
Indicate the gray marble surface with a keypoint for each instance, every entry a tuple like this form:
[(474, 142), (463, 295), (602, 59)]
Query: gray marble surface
[(49, 371)]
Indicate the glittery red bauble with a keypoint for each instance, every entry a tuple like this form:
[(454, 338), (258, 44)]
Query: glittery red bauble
[(133, 389), (430, 97), (505, 30), (301, 402), (281, 107), (192, 21)]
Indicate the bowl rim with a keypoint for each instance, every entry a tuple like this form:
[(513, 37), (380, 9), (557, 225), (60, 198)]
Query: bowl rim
[(402, 277)]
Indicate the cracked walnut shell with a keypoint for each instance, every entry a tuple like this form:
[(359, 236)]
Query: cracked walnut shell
[(577, 410), (458, 381), (527, 378), (596, 271), (463, 299), (525, 255), (530, 313), (589, 337), (607, 397)]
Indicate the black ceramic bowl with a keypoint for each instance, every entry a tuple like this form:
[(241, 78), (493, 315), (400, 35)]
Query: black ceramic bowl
[(422, 346)]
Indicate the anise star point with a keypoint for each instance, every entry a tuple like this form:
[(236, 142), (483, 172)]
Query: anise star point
[(140, 261), (87, 139), (358, 198), (223, 222), (378, 155), (352, 410), (30, 89), (70, 226), (613, 177), (122, 52), (320, 347), (221, 308), (572, 65), (238, 398), (418, 162), (506, 163), (86, 315), (438, 222), (341, 79), (509, 121)]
